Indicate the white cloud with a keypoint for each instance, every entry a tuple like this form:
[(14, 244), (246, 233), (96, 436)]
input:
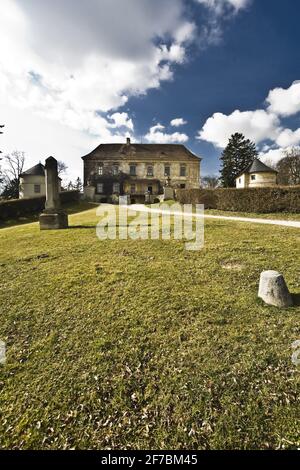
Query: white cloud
[(256, 125), (178, 122), (156, 135), (121, 120), (218, 6), (285, 102), (67, 76), (288, 138), (273, 156)]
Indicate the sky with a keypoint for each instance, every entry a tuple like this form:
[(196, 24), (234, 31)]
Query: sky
[(76, 74)]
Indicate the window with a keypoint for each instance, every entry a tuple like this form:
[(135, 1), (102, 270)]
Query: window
[(253, 177), (116, 187), (182, 186), (132, 188), (132, 170), (115, 170), (182, 170), (167, 170), (240, 180), (37, 188), (150, 170), (99, 188), (150, 189), (100, 169)]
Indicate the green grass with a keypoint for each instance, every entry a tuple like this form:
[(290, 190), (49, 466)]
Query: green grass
[(144, 345), (275, 216)]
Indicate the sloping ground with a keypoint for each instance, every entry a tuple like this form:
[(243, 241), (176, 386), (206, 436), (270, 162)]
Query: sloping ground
[(142, 344)]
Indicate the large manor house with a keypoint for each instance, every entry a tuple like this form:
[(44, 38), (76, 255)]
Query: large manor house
[(138, 169)]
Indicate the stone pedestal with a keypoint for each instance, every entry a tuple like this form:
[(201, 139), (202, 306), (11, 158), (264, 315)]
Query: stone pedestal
[(89, 193), (53, 221), (124, 200), (273, 290), (168, 193)]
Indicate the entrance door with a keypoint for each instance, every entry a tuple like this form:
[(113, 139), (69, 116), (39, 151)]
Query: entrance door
[(150, 189)]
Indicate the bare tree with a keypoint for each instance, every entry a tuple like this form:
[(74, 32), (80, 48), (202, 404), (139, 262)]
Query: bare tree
[(210, 181), (61, 167), (13, 168), (289, 168)]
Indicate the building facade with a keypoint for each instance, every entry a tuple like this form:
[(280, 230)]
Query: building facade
[(257, 175), (138, 169), (32, 182)]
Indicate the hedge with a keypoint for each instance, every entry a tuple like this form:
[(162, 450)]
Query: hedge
[(259, 200), (15, 208)]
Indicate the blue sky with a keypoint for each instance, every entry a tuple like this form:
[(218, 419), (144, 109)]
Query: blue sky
[(105, 69)]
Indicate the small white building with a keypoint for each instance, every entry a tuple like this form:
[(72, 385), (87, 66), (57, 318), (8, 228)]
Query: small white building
[(257, 175), (32, 182)]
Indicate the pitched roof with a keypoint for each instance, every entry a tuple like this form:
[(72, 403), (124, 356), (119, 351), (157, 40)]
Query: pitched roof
[(141, 152), (257, 167), (37, 170)]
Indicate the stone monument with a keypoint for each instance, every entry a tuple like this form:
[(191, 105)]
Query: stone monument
[(273, 290), (168, 190), (52, 218)]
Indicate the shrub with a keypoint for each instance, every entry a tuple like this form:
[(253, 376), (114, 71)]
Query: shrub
[(14, 208), (260, 200)]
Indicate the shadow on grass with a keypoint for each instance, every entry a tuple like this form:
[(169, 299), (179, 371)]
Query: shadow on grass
[(71, 227), (70, 208), (95, 226), (296, 300)]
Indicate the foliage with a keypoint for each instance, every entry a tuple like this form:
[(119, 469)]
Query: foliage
[(62, 167), (15, 208), (289, 168), (259, 200), (13, 168), (210, 181), (238, 154)]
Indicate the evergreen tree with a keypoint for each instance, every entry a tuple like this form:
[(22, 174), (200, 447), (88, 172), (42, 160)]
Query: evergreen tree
[(238, 154), (78, 184)]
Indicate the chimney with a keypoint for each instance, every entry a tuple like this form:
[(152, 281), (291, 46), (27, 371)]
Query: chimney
[(128, 140)]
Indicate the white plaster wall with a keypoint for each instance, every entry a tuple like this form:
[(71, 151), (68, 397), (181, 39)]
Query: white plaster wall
[(263, 180)]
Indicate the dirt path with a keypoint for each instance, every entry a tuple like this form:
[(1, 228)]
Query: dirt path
[(282, 223)]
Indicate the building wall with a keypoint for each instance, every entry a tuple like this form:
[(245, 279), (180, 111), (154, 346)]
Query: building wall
[(191, 180), (262, 180), (242, 181), (28, 183)]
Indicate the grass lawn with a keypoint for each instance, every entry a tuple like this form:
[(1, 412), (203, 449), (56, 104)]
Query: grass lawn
[(144, 345), (275, 216)]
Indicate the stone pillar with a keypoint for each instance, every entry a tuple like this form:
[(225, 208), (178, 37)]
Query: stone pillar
[(53, 218), (52, 185), (273, 290)]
